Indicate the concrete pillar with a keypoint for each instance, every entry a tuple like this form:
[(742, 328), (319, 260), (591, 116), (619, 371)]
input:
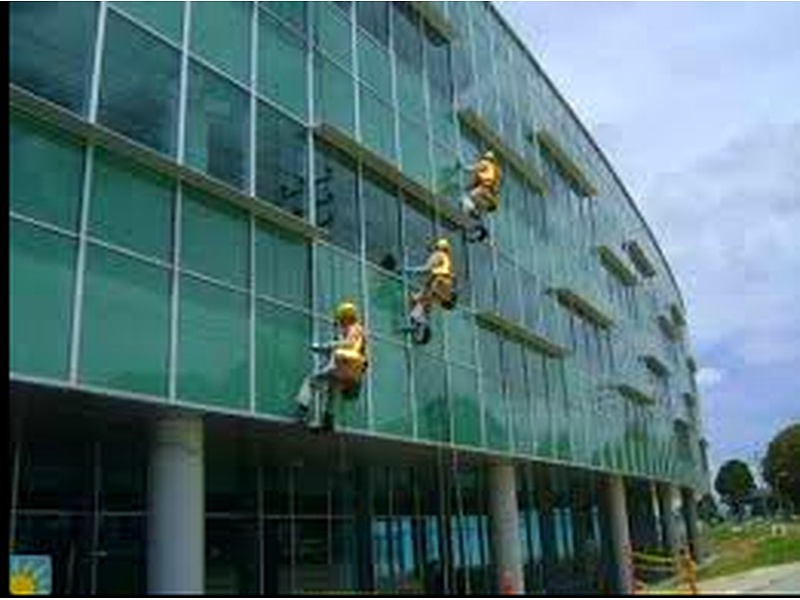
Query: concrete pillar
[(176, 525), (504, 514), (620, 533), (689, 506), (666, 497)]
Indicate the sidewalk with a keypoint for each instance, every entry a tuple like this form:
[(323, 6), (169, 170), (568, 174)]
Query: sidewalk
[(781, 579)]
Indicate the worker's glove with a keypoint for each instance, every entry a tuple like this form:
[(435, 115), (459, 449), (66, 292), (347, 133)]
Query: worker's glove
[(321, 347)]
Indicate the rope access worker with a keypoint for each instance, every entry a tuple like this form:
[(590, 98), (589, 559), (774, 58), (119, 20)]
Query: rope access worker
[(438, 287), (484, 189), (345, 368)]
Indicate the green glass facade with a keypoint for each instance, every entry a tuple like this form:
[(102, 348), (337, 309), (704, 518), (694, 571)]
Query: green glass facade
[(194, 186)]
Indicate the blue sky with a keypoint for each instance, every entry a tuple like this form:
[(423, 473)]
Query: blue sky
[(697, 105)]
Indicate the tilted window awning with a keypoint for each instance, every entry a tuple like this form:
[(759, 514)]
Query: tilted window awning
[(655, 364), (522, 334), (677, 315), (341, 140), (611, 261), (668, 327), (634, 394), (691, 364), (434, 17), (577, 178), (473, 121), (639, 258), (583, 307)]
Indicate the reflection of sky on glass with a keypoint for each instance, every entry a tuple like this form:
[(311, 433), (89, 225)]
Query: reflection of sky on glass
[(696, 105)]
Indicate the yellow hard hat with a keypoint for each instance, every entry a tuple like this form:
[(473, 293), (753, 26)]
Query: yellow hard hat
[(442, 244), (489, 155), (346, 311)]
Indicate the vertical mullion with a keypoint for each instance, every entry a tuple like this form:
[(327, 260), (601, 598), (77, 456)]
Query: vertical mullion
[(252, 191), (260, 509), (94, 100), (96, 515)]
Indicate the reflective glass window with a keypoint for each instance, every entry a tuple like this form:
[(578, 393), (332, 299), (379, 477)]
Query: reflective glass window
[(332, 33), (282, 64), (215, 238), (217, 128), (212, 345), (382, 210), (334, 101), (220, 34), (164, 17), (291, 13), (282, 266), (139, 86), (51, 50), (33, 150), (125, 299), (337, 201), (377, 124), (374, 18), (281, 161), (41, 279), (390, 390), (131, 207)]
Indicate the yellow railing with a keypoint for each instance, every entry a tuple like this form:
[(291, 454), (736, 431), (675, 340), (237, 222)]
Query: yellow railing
[(681, 568)]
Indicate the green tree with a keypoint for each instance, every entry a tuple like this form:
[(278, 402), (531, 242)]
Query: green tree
[(734, 484), (781, 465), (707, 509)]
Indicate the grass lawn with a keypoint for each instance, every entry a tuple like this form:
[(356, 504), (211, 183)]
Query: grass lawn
[(737, 548)]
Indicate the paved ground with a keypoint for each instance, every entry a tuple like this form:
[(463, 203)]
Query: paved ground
[(783, 579)]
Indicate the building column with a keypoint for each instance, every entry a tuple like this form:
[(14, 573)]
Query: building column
[(176, 524), (666, 496), (504, 514), (689, 507), (620, 533)]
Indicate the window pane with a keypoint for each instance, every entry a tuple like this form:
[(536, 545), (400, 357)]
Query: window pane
[(418, 232), (292, 13), (482, 277), (217, 127), (213, 348), (129, 300), (214, 238), (41, 278), (139, 87), (338, 277), (496, 414), (34, 150), (390, 390), (377, 124), (334, 100), (282, 357), (387, 306), (131, 207), (282, 65), (332, 33), (221, 35), (232, 551), (50, 50), (336, 198), (281, 158), (414, 149), (508, 292), (439, 76), (282, 266), (466, 406), (374, 65), (460, 336), (382, 210), (433, 413), (164, 17), (374, 18), (410, 96), (407, 36)]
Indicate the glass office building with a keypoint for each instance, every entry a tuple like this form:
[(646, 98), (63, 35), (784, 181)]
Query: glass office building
[(193, 188)]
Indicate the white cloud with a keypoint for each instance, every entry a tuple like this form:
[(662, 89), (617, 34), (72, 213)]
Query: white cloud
[(708, 377)]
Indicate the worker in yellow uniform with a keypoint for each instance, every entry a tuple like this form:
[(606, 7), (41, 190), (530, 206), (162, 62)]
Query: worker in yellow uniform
[(345, 368), (438, 289), (483, 195)]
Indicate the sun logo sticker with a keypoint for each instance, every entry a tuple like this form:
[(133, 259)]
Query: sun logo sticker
[(29, 575)]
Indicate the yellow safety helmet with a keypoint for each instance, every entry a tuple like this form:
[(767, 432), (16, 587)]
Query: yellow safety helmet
[(346, 311), (442, 244), (489, 155)]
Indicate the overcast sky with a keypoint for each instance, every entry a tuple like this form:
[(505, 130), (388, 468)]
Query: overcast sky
[(697, 106)]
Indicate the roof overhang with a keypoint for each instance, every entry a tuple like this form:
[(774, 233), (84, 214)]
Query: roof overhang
[(635, 394), (434, 17), (655, 364)]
